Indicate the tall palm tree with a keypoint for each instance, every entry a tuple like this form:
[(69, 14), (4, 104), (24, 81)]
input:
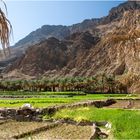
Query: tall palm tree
[(110, 80), (5, 29)]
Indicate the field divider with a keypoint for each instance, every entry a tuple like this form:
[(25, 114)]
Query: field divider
[(36, 131), (97, 103)]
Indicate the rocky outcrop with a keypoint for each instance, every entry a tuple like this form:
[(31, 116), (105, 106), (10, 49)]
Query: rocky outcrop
[(117, 13), (47, 55), (54, 55), (46, 31)]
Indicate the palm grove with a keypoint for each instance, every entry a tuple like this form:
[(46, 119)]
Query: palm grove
[(96, 84)]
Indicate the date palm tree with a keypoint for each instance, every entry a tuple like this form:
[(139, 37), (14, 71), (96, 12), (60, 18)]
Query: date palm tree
[(5, 29)]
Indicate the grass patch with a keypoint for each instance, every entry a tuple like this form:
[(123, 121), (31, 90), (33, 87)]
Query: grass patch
[(45, 99), (125, 123), (41, 93), (66, 93)]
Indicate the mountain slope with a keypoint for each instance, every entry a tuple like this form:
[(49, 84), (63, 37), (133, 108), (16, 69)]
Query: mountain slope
[(60, 32), (111, 45)]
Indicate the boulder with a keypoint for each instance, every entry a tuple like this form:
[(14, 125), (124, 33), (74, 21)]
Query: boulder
[(26, 106), (26, 113), (3, 112), (97, 133), (99, 104), (110, 102), (108, 125), (101, 123)]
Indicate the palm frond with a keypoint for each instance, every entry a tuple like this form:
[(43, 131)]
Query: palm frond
[(5, 29)]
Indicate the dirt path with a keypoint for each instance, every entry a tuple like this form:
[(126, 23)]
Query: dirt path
[(126, 104), (65, 131), (10, 128)]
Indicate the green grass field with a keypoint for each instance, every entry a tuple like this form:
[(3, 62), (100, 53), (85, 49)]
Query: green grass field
[(21, 93), (44, 99), (125, 123)]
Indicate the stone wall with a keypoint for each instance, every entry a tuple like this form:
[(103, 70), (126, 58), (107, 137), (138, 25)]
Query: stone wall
[(28, 113)]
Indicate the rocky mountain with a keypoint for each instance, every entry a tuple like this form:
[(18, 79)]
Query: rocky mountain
[(108, 45), (46, 31), (60, 32)]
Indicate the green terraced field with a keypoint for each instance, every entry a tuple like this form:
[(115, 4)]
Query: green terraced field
[(125, 123), (44, 99)]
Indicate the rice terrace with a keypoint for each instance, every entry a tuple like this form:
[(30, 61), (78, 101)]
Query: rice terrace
[(65, 80)]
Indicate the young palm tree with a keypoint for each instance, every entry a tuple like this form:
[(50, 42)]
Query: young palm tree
[(5, 29)]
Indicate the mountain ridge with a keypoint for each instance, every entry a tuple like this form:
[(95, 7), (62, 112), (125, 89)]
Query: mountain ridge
[(52, 30)]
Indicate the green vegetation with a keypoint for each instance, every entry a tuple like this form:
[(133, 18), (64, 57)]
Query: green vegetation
[(22, 93), (97, 84), (45, 99), (125, 123), (66, 93)]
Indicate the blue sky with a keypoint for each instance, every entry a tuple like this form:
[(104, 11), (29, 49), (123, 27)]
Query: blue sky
[(27, 16)]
